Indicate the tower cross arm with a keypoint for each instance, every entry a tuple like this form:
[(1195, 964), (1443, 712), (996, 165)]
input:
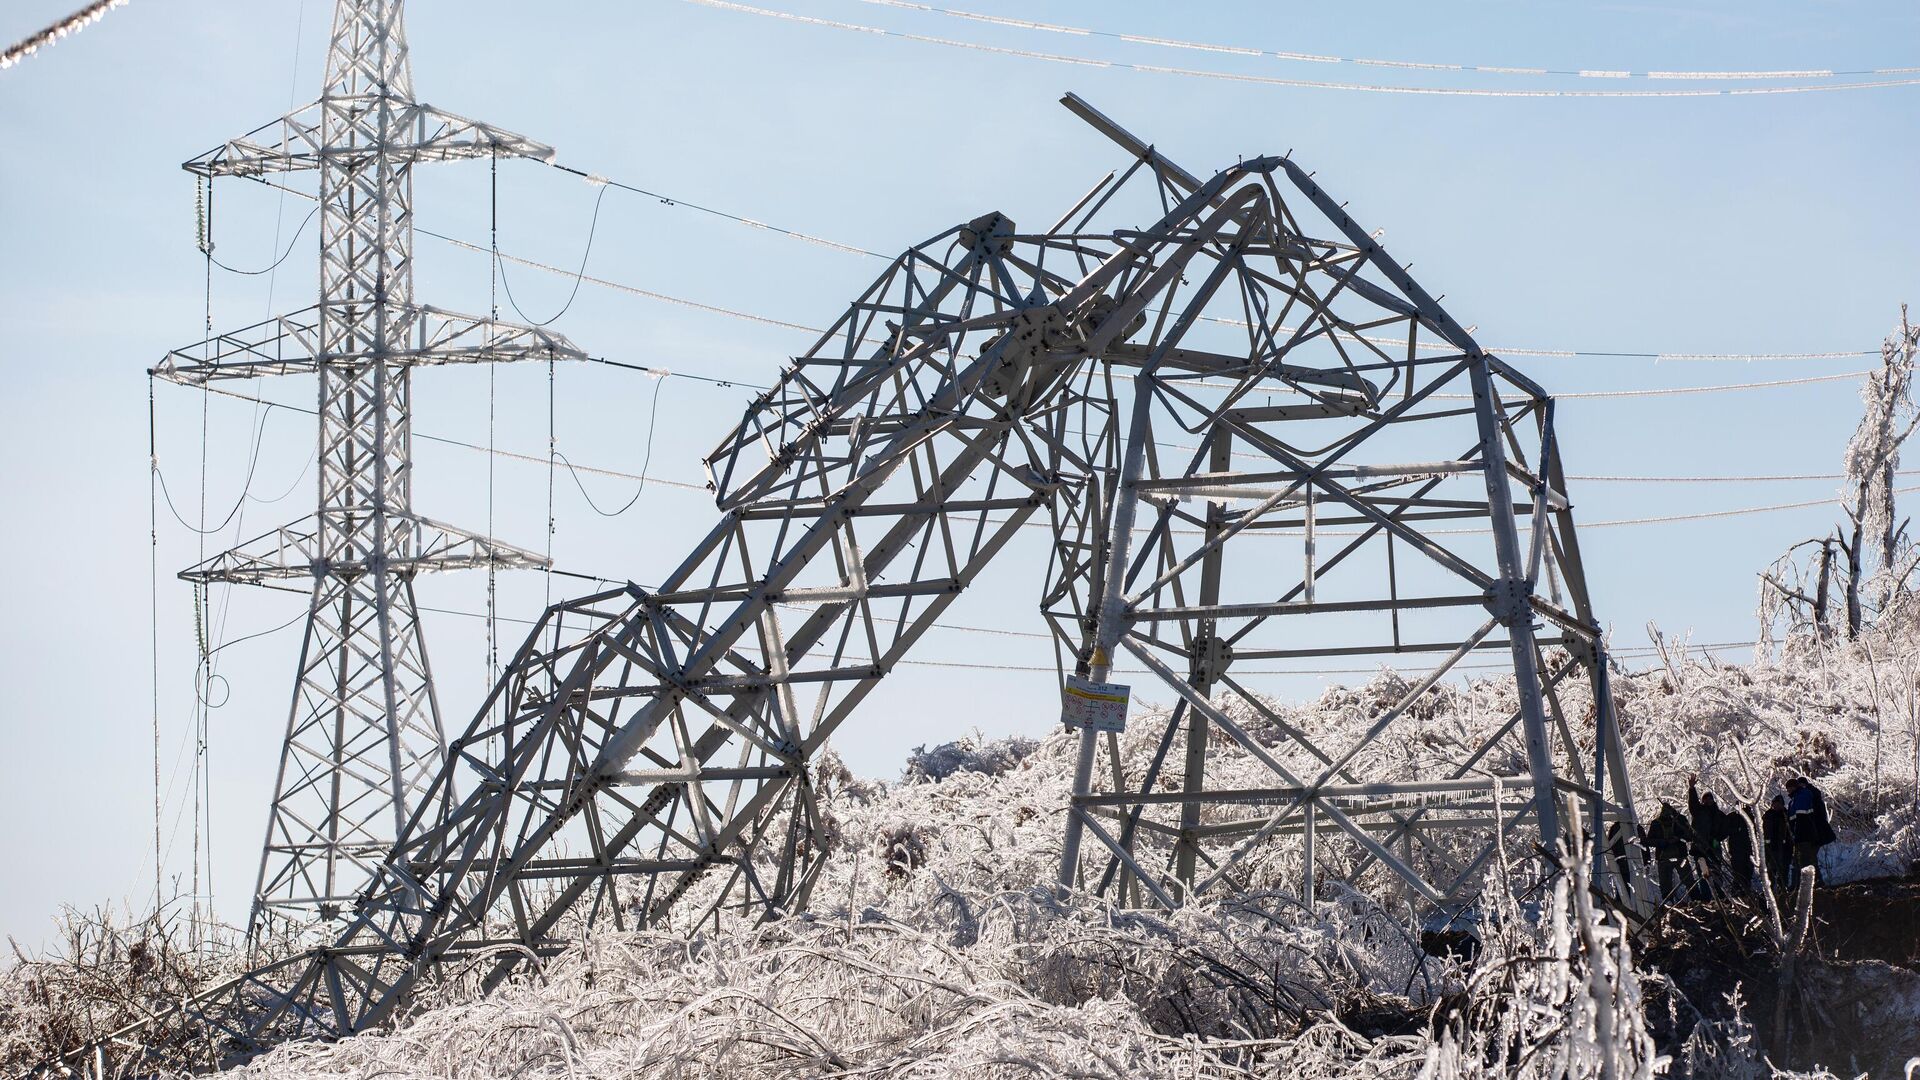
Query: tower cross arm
[(290, 344), (294, 553), (416, 132)]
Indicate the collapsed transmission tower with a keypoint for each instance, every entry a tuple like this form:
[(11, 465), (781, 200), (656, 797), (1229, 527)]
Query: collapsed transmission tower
[(1238, 420), (364, 739)]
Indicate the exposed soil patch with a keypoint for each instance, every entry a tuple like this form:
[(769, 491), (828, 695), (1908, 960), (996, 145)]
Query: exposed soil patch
[(1853, 1005), (1870, 920)]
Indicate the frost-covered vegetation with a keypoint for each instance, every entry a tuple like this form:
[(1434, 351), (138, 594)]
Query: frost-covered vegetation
[(929, 948), (929, 951)]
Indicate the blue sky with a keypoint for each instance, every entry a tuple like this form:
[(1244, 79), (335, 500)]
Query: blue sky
[(1755, 224)]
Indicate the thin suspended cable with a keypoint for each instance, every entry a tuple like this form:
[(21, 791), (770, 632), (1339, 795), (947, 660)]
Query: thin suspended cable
[(508, 455), (594, 470), (738, 219), (253, 463), (1502, 350), (1778, 477), (275, 264), (552, 451), (293, 102), (593, 227), (1312, 84), (1672, 391), (653, 415), (969, 666), (492, 655), (1712, 514), (662, 373), (200, 700), (629, 289), (153, 631), (257, 634), (1405, 65)]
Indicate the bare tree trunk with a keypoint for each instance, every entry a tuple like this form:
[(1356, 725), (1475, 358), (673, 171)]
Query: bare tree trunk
[(1820, 591), (1854, 544)]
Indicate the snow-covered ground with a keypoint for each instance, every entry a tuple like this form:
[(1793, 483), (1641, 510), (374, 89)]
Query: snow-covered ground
[(930, 952)]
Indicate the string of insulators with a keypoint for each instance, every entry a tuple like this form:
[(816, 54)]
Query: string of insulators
[(202, 213)]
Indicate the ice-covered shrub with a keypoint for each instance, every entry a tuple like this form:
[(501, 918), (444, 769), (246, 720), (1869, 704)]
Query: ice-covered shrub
[(969, 753)]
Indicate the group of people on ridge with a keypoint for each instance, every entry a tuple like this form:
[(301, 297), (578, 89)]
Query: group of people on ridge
[(1709, 848)]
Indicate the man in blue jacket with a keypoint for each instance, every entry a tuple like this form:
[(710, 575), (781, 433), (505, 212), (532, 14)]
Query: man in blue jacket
[(1812, 829)]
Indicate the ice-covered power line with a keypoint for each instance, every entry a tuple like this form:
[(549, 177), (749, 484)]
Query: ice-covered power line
[(1404, 65), (632, 290), (682, 485), (1314, 84), (1625, 654), (765, 320), (73, 23), (1669, 391), (738, 219)]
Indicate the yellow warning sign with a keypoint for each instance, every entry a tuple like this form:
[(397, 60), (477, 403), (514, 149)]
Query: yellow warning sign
[(1091, 705)]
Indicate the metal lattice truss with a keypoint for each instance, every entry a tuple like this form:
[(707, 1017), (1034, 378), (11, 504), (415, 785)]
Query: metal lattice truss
[(364, 736), (1302, 418), (299, 551), (1176, 370), (417, 132), (291, 345)]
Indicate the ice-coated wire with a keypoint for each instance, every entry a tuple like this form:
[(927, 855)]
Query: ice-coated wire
[(747, 316), (73, 23), (765, 320), (1314, 84), (1405, 65)]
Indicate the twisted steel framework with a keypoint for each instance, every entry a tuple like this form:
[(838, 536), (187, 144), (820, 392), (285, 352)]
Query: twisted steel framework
[(364, 739), (646, 756)]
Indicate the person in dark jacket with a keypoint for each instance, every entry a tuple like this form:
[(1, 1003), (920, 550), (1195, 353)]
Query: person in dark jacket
[(1738, 838), (1667, 835), (1807, 820), (1709, 828), (1778, 839)]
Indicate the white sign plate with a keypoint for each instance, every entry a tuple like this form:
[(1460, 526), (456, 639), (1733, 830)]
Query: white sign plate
[(1090, 705)]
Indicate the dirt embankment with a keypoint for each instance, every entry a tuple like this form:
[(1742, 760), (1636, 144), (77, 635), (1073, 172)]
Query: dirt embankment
[(1870, 920), (1849, 1002)]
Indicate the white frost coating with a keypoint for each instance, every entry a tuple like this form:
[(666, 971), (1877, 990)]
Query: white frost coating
[(928, 953)]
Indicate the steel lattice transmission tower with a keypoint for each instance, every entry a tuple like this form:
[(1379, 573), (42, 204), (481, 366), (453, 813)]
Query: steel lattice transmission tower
[(1250, 436), (363, 739)]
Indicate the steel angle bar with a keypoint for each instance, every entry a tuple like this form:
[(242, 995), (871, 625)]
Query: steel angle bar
[(1119, 850), (1310, 474), (1249, 611), (1298, 792), (1253, 747)]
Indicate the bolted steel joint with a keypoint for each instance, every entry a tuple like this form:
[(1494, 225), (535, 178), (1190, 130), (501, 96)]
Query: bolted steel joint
[(1582, 652), (989, 227), (1211, 655), (1510, 600)]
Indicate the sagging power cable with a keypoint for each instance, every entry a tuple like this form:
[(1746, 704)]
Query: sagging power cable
[(766, 320), (593, 229), (747, 316)]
